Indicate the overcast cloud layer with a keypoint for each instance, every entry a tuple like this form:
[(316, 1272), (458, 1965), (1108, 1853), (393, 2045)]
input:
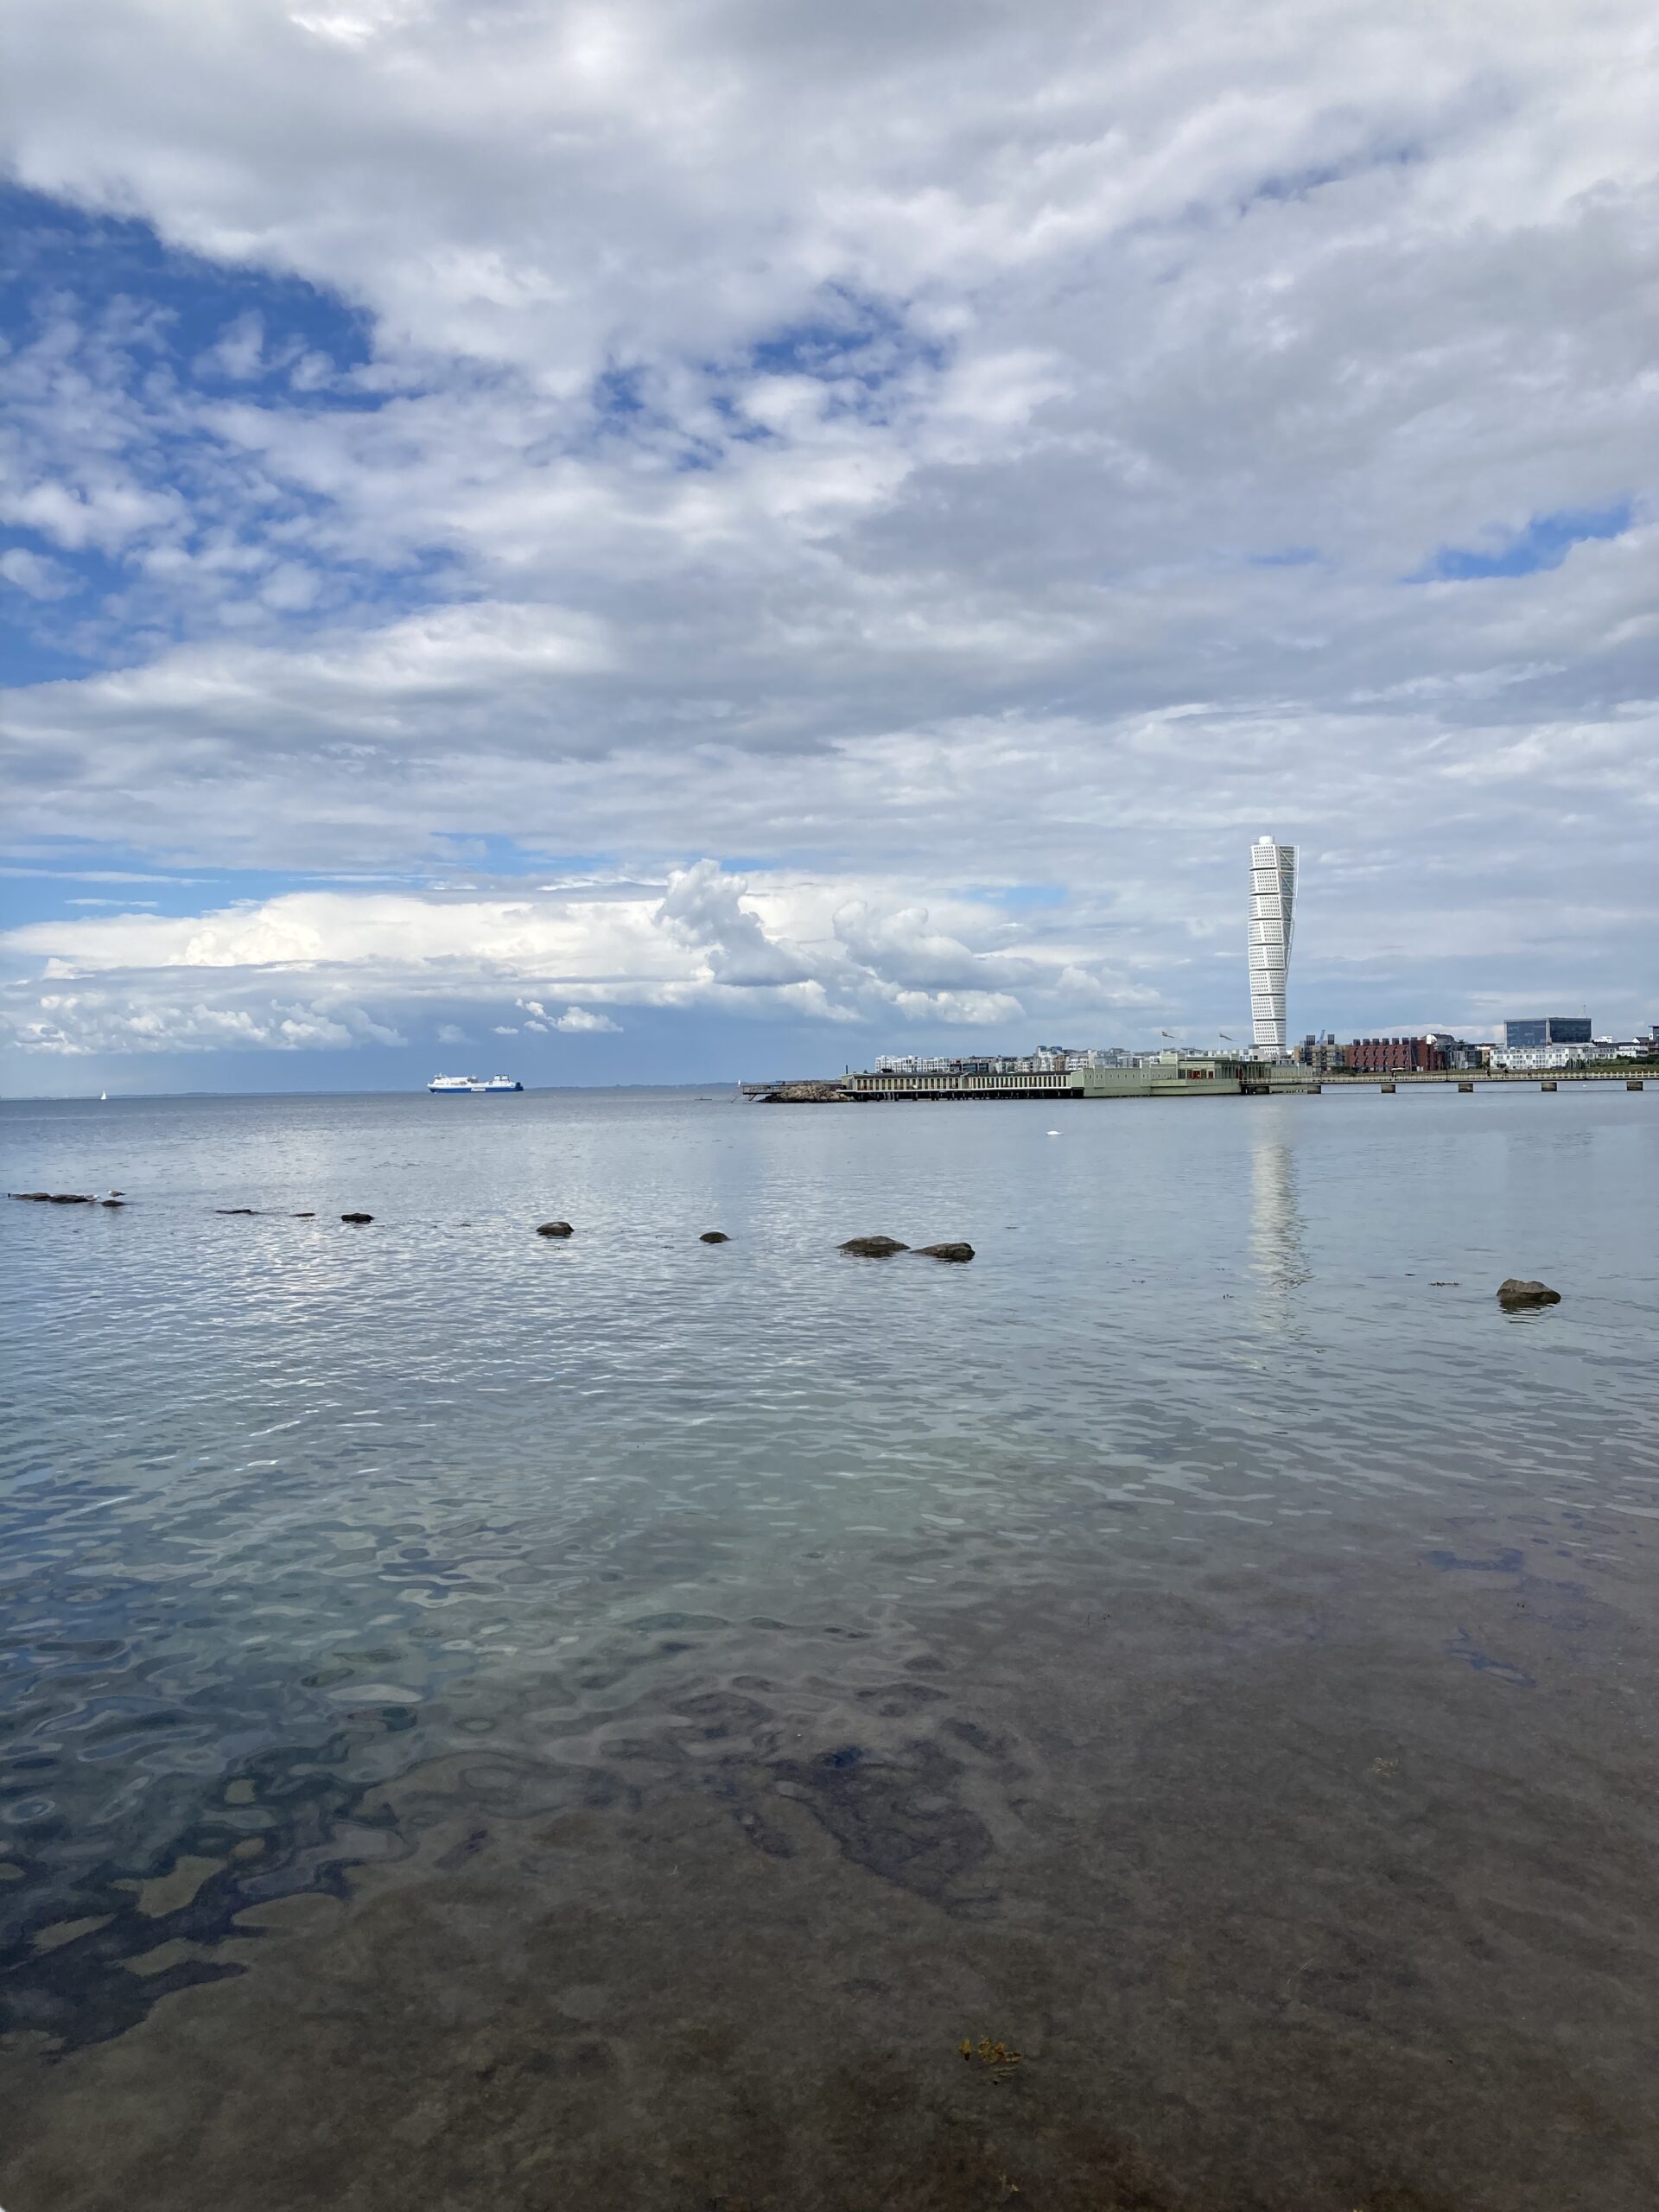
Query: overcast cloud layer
[(604, 524)]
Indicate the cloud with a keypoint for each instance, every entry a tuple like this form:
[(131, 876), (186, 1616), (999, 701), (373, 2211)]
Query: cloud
[(100, 1020), (800, 490), (34, 573), (365, 966)]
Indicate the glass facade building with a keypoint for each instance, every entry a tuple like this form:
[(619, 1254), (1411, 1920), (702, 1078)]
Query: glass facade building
[(1549, 1029), (1272, 910)]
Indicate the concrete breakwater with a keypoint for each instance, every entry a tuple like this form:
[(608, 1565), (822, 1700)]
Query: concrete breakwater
[(1180, 1078)]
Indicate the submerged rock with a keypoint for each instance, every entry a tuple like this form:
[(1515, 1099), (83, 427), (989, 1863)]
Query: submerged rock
[(1515, 1292), (946, 1251), (874, 1247), (555, 1229), (237, 1210), (117, 1202), (40, 1198), (71, 1198), (714, 1236), (357, 1216)]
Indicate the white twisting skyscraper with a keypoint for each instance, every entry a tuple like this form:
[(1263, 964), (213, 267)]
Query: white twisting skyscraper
[(1272, 910)]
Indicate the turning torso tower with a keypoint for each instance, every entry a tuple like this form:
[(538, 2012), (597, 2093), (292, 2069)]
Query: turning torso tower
[(1272, 908)]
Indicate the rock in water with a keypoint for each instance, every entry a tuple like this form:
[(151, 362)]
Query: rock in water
[(874, 1247), (555, 1229), (357, 1216), (70, 1198), (117, 1202), (345, 1217), (40, 1198), (714, 1236), (1516, 1293), (946, 1251)]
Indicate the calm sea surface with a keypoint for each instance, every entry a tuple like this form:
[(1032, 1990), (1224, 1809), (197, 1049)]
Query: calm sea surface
[(492, 1722)]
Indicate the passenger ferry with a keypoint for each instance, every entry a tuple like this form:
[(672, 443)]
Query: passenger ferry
[(476, 1086)]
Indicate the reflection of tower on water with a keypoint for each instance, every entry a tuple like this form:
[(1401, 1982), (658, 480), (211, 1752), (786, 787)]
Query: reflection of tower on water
[(1278, 1256)]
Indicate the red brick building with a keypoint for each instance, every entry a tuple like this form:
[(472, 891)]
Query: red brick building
[(1395, 1056)]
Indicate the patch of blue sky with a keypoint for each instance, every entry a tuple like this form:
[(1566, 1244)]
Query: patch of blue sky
[(26, 656), (506, 857), (99, 882), (849, 335), (97, 315), (860, 349), (1544, 543), (197, 314), (47, 626)]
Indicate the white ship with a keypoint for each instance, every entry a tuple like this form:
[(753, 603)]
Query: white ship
[(474, 1085)]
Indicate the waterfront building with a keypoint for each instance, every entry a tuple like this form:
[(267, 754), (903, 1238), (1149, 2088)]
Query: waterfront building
[(1456, 1051), (1323, 1054), (1548, 1029), (1395, 1056), (1596, 1052), (1272, 910), (1514, 1057), (1163, 1075)]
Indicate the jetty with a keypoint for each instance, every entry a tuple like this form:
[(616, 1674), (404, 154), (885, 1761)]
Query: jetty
[(1176, 1074)]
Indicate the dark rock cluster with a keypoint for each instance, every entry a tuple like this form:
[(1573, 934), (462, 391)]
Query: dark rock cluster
[(883, 1248), (861, 1248)]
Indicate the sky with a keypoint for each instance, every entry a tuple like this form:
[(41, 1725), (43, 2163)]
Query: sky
[(683, 542)]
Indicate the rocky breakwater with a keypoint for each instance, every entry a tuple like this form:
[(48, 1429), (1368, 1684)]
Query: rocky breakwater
[(65, 1199), (805, 1094)]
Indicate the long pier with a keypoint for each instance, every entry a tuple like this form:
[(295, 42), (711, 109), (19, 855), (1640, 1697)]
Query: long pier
[(1197, 1078)]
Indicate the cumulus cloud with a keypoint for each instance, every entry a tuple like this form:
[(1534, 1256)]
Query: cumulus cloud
[(34, 572), (613, 435), (363, 967), (148, 1016)]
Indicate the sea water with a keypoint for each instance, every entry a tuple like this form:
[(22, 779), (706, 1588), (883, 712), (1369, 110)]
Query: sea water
[(505, 1720)]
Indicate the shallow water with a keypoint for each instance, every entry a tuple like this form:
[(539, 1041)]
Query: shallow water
[(493, 1720)]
